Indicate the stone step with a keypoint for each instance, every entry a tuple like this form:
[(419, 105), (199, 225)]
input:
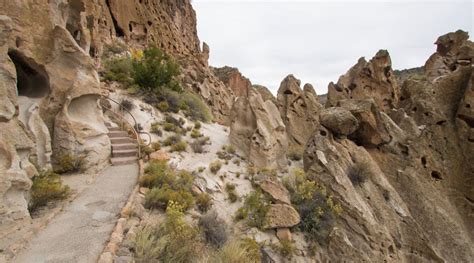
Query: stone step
[(125, 146), (123, 160), (113, 128), (121, 140), (124, 153), (116, 134)]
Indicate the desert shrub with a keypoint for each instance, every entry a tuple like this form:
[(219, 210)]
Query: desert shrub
[(174, 121), (203, 202), (146, 150), (198, 145), (286, 248), (230, 188), (173, 139), (358, 173), (215, 166), (114, 48), (214, 229), (236, 162), (230, 149), (119, 70), (47, 186), (295, 153), (195, 108), (173, 99), (127, 105), (162, 175), (224, 155), (179, 147), (155, 128), (145, 246), (172, 241), (159, 198), (255, 209), (68, 163), (196, 134), (169, 127), (197, 125), (267, 173), (317, 209), (156, 71), (156, 146), (241, 251), (163, 106)]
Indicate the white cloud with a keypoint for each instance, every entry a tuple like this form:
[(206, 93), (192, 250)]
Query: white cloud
[(317, 41)]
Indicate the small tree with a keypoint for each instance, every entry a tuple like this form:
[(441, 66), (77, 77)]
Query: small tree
[(156, 71)]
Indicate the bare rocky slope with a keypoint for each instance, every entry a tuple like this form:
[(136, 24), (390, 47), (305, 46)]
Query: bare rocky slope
[(395, 152)]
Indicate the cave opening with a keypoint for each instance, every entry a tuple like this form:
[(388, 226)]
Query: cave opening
[(32, 79)]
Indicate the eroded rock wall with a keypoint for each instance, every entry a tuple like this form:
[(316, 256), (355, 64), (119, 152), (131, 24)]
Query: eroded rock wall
[(416, 203)]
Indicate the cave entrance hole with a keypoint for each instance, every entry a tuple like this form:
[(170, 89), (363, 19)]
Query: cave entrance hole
[(32, 79)]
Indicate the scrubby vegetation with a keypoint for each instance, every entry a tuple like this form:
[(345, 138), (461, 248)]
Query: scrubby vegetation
[(231, 192), (214, 229), (68, 163), (47, 186), (295, 153), (127, 105), (358, 173), (316, 207), (239, 251), (203, 202), (215, 166), (198, 145), (255, 209), (173, 139), (167, 185), (179, 146)]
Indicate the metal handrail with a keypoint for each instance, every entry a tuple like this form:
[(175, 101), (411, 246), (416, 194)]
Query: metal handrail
[(134, 128)]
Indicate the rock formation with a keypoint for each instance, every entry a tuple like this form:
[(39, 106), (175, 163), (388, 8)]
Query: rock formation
[(257, 130), (416, 203), (233, 79), (299, 109), (374, 79)]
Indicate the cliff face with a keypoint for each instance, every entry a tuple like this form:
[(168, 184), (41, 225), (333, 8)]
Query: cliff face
[(416, 203), (50, 52)]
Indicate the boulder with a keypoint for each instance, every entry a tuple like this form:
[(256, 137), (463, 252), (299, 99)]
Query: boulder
[(284, 234), (257, 130), (371, 131), (281, 216), (339, 120), (234, 80), (299, 109), (276, 190), (160, 155)]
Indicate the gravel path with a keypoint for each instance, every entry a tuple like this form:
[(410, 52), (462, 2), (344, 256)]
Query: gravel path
[(80, 232)]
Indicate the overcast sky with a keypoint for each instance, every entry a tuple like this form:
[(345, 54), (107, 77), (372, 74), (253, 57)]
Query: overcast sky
[(318, 41)]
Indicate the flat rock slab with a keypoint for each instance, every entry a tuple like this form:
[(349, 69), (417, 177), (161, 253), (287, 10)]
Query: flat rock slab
[(80, 232), (281, 216)]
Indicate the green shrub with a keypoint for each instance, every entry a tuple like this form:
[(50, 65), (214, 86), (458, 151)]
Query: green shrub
[(223, 155), (156, 146), (286, 248), (173, 99), (68, 163), (155, 128), (179, 147), (114, 48), (172, 241), (156, 71), (47, 186), (203, 202), (160, 197), (255, 209), (119, 70), (169, 127), (243, 251), (196, 134), (215, 166), (230, 149), (214, 229), (295, 153), (173, 139), (230, 188), (198, 145), (197, 125), (196, 109), (316, 208), (146, 150), (163, 106), (358, 173)]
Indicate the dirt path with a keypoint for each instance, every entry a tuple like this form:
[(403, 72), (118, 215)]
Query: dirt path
[(79, 233)]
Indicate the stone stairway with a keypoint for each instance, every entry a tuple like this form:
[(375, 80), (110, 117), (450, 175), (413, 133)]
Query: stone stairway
[(124, 148)]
